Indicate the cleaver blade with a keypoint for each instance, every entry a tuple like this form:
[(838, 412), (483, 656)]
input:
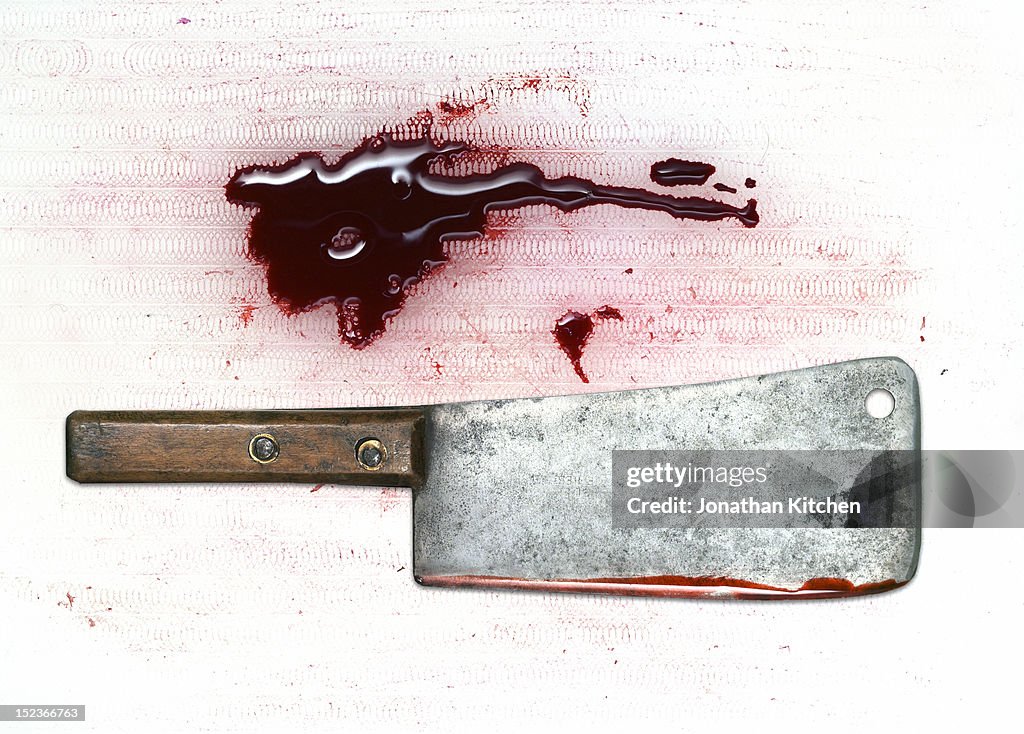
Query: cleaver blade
[(518, 494), (517, 491)]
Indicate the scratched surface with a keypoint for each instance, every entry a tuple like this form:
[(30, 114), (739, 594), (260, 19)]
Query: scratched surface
[(491, 506), (886, 151)]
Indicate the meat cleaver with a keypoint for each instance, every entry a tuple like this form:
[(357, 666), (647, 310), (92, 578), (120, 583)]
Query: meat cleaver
[(519, 493)]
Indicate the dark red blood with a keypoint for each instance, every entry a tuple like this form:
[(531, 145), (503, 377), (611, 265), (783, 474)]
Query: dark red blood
[(750, 183), (572, 332), (449, 112), (608, 312), (723, 187), (360, 233), (456, 109), (674, 172)]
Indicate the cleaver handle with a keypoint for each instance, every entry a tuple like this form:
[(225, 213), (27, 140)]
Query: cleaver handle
[(380, 447)]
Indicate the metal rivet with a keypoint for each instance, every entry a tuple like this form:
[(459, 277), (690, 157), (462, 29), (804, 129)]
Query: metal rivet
[(371, 454), (263, 448)]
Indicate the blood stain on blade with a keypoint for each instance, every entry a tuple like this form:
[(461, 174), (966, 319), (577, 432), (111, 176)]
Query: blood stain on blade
[(360, 233), (677, 586)]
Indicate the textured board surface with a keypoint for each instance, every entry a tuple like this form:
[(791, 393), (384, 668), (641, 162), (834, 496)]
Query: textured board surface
[(886, 148)]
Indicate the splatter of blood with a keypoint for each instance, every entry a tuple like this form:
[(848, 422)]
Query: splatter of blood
[(675, 172), (573, 330), (359, 234)]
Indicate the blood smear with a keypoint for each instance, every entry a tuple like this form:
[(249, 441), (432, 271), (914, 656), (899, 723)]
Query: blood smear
[(360, 233)]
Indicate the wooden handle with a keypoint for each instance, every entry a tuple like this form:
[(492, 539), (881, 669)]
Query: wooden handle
[(381, 447)]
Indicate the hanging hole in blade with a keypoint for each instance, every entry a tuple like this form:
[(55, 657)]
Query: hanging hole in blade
[(880, 403)]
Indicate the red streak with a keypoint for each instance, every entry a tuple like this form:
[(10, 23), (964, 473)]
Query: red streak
[(676, 586)]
